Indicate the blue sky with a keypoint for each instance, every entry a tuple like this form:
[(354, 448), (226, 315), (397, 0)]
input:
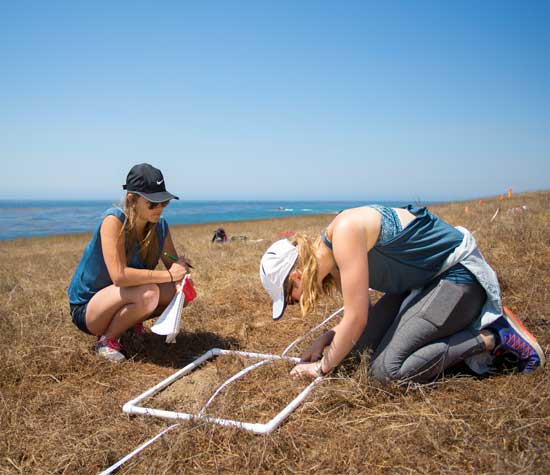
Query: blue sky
[(275, 100)]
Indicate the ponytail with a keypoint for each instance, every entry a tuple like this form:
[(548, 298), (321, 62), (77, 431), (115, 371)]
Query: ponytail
[(308, 267)]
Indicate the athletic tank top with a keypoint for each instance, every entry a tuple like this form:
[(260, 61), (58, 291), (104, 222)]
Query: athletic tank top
[(412, 257), (91, 275)]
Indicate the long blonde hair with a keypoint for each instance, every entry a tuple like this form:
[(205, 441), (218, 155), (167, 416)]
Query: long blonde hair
[(308, 267), (148, 246)]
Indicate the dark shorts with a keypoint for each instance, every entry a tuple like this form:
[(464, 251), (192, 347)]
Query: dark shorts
[(78, 314)]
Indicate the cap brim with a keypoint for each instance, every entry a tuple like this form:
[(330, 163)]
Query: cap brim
[(279, 306), (156, 197)]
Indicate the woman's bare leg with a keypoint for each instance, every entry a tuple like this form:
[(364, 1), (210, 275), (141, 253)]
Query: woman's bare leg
[(167, 292), (115, 309)]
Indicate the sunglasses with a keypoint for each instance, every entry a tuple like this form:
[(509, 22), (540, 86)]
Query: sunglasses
[(152, 205)]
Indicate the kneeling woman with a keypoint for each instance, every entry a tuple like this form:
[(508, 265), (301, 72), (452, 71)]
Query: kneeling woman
[(114, 286), (441, 302)]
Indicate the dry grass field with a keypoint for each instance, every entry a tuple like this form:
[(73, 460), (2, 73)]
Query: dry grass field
[(60, 407)]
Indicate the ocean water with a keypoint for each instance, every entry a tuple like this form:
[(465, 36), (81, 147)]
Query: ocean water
[(42, 218)]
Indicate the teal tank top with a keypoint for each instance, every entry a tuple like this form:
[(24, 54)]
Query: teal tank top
[(409, 258), (91, 275)]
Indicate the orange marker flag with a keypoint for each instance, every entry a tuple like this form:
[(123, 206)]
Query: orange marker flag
[(480, 202), (509, 192)]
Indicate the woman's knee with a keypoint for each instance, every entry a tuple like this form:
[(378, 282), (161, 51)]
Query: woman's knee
[(148, 297), (422, 366), (380, 371)]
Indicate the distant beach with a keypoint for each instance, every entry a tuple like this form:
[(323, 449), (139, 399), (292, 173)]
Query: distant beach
[(28, 218)]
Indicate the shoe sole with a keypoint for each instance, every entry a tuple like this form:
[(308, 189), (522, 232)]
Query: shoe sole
[(112, 358), (516, 324), (105, 355)]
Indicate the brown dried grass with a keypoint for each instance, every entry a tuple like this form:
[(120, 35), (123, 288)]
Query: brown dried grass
[(60, 407)]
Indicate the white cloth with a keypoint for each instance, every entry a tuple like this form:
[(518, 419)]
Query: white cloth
[(468, 254), (169, 321)]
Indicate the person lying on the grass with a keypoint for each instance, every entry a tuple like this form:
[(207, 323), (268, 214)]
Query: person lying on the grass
[(441, 302), (115, 286)]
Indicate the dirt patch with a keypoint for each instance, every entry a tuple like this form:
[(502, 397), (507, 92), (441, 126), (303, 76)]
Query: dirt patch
[(190, 392)]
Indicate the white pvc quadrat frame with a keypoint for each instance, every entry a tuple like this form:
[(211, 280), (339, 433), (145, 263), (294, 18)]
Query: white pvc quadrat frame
[(133, 407)]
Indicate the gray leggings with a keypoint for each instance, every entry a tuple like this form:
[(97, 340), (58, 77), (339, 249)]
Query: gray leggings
[(430, 335)]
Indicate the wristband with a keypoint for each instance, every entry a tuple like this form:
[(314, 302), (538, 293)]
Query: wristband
[(171, 278)]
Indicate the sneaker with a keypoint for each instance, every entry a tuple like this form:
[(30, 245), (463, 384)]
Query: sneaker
[(517, 342), (139, 329), (109, 348)]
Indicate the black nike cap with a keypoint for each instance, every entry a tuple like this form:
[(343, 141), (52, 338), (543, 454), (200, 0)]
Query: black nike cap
[(147, 181)]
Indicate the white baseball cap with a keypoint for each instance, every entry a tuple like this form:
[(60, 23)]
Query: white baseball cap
[(275, 266)]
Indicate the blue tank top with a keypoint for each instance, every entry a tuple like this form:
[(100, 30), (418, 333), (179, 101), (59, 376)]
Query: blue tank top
[(413, 256), (91, 275)]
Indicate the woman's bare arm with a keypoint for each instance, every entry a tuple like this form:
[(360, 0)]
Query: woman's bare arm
[(351, 255), (112, 246)]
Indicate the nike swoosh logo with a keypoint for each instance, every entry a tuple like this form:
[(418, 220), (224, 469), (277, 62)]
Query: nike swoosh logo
[(160, 182)]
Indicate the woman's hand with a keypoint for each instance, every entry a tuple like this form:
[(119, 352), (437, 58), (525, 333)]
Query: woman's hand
[(177, 271), (306, 370), (186, 262), (315, 351)]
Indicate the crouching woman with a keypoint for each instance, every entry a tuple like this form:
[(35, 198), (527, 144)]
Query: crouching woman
[(115, 286), (441, 302)]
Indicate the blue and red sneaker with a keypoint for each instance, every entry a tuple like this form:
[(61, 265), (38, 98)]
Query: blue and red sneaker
[(517, 341)]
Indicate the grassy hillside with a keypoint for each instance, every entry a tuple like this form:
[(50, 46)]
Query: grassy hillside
[(60, 407)]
